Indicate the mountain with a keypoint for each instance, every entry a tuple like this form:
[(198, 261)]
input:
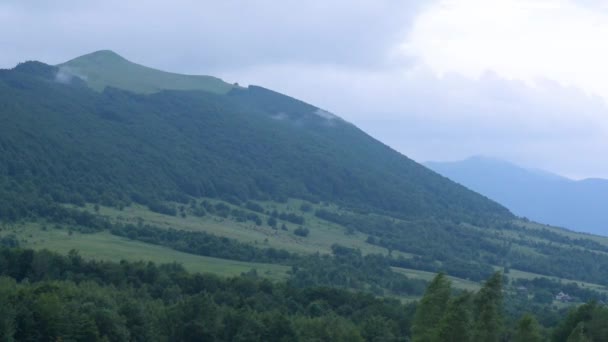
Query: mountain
[(106, 68), (63, 140), (538, 195), (248, 178), (123, 167)]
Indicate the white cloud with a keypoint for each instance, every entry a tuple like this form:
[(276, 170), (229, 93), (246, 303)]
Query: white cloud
[(519, 39)]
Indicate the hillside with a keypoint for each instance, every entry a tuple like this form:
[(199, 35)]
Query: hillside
[(537, 195), (62, 142), (255, 184), (105, 68)]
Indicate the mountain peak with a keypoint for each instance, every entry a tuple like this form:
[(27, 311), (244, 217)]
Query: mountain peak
[(106, 68), (101, 58), (103, 55)]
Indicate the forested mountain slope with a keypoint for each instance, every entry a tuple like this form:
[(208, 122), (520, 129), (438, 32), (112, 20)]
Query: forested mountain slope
[(61, 141)]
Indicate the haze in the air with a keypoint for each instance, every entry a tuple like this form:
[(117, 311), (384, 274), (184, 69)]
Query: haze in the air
[(522, 80)]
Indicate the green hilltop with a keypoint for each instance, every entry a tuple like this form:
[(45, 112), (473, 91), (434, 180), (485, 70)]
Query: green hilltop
[(105, 68)]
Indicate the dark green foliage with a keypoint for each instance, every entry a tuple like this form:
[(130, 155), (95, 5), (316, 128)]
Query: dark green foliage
[(162, 208), (254, 207), (289, 217), (585, 323), (442, 245), (488, 310), (348, 268), (68, 298), (431, 309), (45, 297), (301, 231), (456, 324), (468, 317), (202, 243), (528, 330), (306, 207)]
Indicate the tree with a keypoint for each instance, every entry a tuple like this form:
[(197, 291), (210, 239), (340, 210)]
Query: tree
[(455, 326), (578, 334), (528, 330), (431, 309), (488, 310), (576, 319), (272, 222), (377, 328)]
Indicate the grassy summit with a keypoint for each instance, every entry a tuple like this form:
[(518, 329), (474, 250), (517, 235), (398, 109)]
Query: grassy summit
[(105, 68)]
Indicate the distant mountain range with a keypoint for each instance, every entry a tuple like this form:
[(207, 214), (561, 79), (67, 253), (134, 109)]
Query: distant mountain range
[(538, 195)]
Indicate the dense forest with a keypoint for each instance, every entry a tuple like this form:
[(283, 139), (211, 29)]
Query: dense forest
[(48, 297)]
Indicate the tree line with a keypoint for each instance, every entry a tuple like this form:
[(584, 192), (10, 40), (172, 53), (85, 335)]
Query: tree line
[(48, 297)]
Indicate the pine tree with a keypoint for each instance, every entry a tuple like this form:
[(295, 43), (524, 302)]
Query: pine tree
[(528, 330), (488, 311), (456, 323), (578, 334), (431, 309)]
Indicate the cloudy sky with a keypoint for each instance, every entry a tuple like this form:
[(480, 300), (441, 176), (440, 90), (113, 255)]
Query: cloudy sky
[(521, 80)]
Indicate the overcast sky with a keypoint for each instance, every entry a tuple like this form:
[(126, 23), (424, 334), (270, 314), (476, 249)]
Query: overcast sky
[(522, 80)]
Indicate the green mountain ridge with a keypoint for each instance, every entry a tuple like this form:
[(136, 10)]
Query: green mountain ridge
[(106, 68)]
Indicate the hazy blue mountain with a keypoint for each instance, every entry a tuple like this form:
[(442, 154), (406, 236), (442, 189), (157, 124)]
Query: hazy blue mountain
[(538, 195)]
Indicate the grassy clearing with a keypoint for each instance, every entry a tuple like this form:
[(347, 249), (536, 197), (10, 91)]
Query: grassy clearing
[(105, 68), (104, 246), (323, 234)]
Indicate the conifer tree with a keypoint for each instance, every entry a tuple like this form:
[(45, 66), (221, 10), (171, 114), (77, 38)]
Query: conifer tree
[(456, 323), (578, 334), (431, 309), (488, 311), (528, 330)]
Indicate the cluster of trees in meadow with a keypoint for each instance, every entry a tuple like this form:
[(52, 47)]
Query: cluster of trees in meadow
[(201, 243), (344, 268)]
